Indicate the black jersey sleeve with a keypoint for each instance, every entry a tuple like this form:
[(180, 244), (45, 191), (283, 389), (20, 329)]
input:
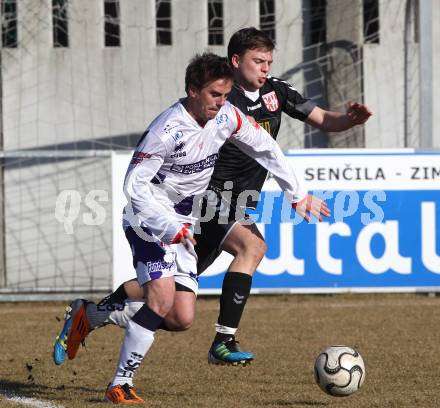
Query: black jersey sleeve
[(293, 103)]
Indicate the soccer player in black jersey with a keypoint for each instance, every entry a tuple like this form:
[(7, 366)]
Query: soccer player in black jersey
[(264, 98)]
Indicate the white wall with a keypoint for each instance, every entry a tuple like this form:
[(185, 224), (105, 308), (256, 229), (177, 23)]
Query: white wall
[(86, 91), (287, 55), (383, 78), (436, 71)]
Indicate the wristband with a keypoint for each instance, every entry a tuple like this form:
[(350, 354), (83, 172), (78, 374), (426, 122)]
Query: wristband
[(294, 205), (182, 233)]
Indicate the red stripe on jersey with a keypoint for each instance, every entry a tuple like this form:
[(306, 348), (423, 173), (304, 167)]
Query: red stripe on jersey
[(238, 119)]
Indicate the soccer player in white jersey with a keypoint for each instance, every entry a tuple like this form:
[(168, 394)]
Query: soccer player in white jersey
[(171, 167)]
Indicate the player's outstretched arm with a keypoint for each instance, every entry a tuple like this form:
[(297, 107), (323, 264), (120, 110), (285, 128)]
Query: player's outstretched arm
[(328, 121), (311, 205)]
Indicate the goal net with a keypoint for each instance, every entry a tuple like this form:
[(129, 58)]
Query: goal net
[(82, 78)]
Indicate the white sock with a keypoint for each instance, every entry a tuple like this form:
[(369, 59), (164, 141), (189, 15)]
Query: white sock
[(225, 329), (117, 314), (137, 342)]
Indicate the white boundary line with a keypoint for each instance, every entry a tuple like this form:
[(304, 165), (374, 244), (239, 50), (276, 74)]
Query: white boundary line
[(32, 402)]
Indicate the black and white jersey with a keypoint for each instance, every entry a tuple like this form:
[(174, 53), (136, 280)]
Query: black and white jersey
[(276, 96), (174, 161)]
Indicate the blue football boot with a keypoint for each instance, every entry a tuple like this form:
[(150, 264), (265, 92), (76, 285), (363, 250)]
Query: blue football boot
[(60, 348), (228, 352)]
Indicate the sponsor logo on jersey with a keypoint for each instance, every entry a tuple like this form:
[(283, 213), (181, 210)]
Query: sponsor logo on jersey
[(138, 157), (195, 167), (223, 118), (266, 125), (178, 154), (271, 101), (178, 150), (252, 108), (179, 146)]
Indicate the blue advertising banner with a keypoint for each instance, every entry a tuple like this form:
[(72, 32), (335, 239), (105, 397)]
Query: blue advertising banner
[(382, 235)]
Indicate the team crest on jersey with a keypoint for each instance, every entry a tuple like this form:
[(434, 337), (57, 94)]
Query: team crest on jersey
[(271, 101), (177, 136), (223, 118)]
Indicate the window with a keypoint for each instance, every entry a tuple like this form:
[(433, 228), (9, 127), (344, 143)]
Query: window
[(267, 17), (60, 23), (163, 22), (215, 22), (371, 21), (317, 23), (112, 32), (9, 23)]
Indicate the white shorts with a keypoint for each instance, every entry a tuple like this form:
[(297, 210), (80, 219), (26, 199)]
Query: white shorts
[(153, 259)]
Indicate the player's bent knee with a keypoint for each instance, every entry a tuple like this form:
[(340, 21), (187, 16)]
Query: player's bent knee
[(161, 306), (183, 312), (179, 322), (254, 249), (187, 320), (259, 248), (184, 324)]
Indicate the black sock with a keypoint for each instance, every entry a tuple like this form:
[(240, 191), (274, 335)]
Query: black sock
[(147, 318), (235, 292), (163, 326), (119, 296)]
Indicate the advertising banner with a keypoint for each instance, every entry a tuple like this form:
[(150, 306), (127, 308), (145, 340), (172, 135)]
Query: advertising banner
[(382, 235)]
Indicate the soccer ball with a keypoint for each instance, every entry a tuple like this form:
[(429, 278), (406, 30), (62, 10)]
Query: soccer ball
[(339, 371)]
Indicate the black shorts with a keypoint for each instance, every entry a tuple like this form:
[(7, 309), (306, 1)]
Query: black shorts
[(211, 234)]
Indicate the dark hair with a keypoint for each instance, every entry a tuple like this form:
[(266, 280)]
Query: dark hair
[(206, 68), (249, 38)]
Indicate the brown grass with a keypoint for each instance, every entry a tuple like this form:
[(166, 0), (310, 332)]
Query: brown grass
[(398, 336)]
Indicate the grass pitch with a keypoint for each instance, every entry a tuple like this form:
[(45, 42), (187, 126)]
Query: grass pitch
[(397, 335)]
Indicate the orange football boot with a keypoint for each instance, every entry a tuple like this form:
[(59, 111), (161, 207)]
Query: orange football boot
[(122, 394), (80, 327)]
